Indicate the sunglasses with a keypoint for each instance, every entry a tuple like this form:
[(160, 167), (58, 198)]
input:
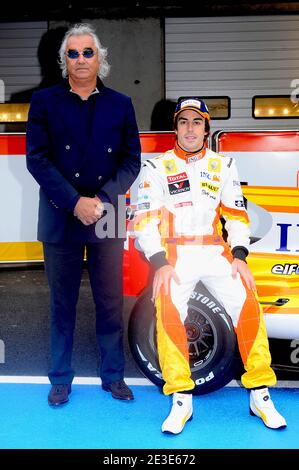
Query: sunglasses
[(87, 53)]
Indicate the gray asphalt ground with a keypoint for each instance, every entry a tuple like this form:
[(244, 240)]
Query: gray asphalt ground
[(24, 326)]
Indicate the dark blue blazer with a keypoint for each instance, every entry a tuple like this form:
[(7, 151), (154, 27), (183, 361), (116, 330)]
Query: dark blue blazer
[(67, 166)]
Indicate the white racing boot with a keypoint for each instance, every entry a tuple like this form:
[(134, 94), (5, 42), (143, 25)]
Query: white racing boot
[(262, 406), (181, 412)]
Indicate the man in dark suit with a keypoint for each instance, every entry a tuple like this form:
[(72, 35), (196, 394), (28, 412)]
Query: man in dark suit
[(83, 149)]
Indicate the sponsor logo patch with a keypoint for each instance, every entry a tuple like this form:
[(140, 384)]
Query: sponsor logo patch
[(209, 186), (286, 269), (206, 193), (239, 202), (183, 204), (176, 178), (197, 156), (144, 184), (170, 166), (143, 205), (205, 174), (192, 159), (180, 187), (214, 164), (191, 102)]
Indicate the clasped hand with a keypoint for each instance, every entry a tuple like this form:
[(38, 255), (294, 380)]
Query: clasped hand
[(89, 210)]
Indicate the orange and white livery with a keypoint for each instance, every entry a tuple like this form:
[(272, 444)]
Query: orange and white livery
[(178, 212)]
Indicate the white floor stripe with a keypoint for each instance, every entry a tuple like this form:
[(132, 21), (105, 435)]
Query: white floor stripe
[(280, 384), (23, 379)]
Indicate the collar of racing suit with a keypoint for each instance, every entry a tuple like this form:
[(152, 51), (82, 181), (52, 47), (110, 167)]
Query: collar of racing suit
[(189, 157)]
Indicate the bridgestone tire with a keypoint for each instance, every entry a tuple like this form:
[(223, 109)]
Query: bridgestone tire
[(211, 341)]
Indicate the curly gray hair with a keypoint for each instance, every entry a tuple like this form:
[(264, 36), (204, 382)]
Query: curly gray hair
[(79, 30)]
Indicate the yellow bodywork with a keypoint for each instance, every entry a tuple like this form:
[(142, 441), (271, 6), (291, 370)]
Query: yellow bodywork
[(272, 287)]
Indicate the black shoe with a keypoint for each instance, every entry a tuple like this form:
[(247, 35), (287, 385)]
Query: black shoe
[(59, 394), (119, 390)]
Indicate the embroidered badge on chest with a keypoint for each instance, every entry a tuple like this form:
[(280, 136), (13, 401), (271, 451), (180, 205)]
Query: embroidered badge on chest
[(192, 159), (214, 164), (170, 166)]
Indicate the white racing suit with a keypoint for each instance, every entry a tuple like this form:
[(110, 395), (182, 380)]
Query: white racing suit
[(180, 201)]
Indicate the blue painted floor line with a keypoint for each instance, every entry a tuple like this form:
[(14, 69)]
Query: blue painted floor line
[(94, 420)]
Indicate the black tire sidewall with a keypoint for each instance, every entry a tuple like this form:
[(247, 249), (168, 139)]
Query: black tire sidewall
[(216, 370)]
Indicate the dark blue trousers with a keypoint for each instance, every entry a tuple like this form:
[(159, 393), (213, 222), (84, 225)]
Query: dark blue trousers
[(64, 265)]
